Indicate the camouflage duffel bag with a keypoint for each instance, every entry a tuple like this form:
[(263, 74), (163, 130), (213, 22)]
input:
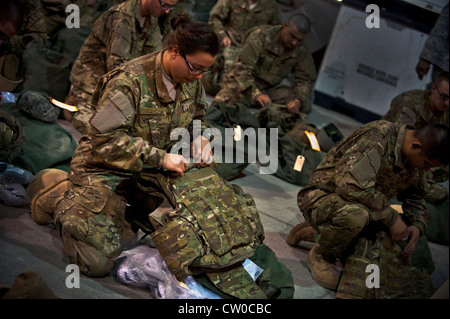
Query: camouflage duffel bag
[(210, 229)]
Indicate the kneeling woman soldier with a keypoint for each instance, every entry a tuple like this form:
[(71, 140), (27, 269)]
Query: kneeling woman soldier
[(136, 106)]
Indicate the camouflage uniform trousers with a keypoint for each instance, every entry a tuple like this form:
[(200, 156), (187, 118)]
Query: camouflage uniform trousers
[(92, 239), (81, 99), (222, 65), (337, 222)]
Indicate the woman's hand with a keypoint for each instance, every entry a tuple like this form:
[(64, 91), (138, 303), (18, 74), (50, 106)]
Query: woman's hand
[(175, 163), (201, 152)]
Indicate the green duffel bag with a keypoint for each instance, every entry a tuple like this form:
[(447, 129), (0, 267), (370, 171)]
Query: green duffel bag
[(47, 145)]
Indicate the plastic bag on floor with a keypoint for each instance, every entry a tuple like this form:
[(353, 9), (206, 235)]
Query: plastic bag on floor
[(13, 195), (143, 267), (10, 174)]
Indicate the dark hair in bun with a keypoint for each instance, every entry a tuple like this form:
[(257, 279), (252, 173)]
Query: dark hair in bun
[(193, 36)]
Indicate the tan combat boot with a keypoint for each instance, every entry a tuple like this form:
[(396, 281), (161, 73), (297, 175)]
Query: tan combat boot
[(301, 232), (45, 192), (323, 272)]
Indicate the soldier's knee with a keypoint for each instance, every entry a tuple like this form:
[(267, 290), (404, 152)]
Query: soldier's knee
[(95, 258), (91, 261), (355, 216)]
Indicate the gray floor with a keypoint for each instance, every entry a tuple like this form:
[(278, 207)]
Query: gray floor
[(25, 245)]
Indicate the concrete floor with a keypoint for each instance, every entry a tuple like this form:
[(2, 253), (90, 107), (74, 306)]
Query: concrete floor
[(24, 245)]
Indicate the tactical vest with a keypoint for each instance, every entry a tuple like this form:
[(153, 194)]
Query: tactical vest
[(207, 225), (391, 275)]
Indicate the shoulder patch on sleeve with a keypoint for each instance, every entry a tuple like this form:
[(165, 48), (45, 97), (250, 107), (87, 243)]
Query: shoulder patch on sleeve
[(114, 113), (409, 113), (366, 169), (121, 41)]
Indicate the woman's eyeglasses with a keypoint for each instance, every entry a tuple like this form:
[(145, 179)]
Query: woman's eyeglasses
[(194, 70), (165, 6)]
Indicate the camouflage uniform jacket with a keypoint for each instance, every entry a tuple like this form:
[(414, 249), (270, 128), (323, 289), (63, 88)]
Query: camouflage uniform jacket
[(119, 35), (413, 108), (234, 18), (132, 121), (367, 168), (435, 50), (261, 65)]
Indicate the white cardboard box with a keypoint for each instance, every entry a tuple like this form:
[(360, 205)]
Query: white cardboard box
[(367, 67)]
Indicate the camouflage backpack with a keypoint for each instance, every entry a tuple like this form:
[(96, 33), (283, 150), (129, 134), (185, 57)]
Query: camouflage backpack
[(206, 226)]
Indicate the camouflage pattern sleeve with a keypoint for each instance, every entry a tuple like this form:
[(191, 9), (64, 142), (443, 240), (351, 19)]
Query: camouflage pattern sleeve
[(405, 107), (356, 176), (401, 111), (414, 205), (112, 144), (406, 116), (276, 16), (394, 109), (234, 18), (118, 46), (305, 76), (246, 62), (200, 108), (218, 14), (435, 50)]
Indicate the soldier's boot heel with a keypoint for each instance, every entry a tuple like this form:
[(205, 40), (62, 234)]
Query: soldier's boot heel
[(301, 232), (46, 191), (323, 272)]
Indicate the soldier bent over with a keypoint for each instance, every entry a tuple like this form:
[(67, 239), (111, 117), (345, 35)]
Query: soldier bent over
[(352, 186)]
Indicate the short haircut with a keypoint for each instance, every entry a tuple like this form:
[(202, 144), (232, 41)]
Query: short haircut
[(301, 22), (441, 77), (434, 139)]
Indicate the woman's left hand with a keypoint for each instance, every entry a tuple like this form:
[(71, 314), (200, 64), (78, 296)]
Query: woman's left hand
[(201, 152)]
